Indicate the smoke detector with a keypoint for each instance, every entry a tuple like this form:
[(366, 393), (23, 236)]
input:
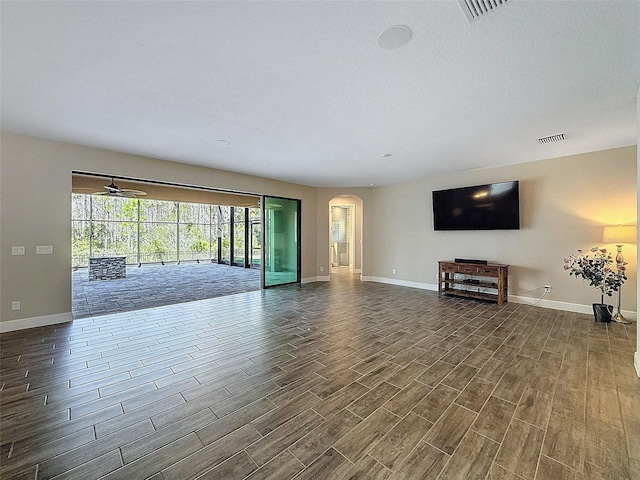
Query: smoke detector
[(394, 37), (473, 9), (552, 138)]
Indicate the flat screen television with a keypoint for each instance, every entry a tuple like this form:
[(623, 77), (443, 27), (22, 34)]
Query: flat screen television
[(495, 206)]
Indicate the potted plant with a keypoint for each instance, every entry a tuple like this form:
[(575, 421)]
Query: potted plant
[(596, 269)]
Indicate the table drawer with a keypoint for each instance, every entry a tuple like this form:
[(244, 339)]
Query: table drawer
[(470, 269)]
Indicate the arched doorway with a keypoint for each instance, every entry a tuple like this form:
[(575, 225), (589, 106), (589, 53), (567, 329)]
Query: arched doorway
[(345, 235)]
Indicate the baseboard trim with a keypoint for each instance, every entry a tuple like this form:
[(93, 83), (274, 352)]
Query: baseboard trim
[(400, 283), (566, 306), (32, 322), (551, 304), (315, 279)]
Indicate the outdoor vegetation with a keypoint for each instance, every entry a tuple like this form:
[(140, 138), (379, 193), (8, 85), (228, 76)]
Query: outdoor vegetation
[(148, 231)]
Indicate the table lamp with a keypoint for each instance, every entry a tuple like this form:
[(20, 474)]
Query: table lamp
[(620, 235)]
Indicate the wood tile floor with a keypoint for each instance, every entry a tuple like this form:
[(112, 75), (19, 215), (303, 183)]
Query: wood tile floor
[(344, 381)]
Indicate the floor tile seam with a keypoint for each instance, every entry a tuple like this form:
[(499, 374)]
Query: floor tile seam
[(117, 331), (288, 449), (34, 435), (19, 390), (351, 464), (108, 385), (71, 367), (116, 392), (495, 385), (628, 435), (22, 437), (450, 456), (21, 399), (171, 425), (206, 474), (499, 443), (40, 460), (594, 419), (408, 455), (19, 469), (513, 417), (573, 469), (546, 427), (60, 378), (176, 356), (85, 445), (141, 461), (32, 423), (422, 438)]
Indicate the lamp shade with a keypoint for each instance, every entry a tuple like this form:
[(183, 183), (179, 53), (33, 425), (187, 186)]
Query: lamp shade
[(620, 234)]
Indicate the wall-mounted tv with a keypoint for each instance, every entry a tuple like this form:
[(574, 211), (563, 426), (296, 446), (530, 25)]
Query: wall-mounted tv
[(495, 206)]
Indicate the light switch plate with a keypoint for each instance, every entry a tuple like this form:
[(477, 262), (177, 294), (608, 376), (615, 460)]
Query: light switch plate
[(15, 305), (44, 250), (19, 250)]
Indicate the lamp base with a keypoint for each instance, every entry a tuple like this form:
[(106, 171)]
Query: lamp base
[(618, 318)]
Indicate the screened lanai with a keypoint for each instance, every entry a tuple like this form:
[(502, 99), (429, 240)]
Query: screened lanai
[(176, 245)]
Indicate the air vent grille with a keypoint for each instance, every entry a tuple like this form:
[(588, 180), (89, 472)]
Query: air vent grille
[(473, 9), (552, 138)]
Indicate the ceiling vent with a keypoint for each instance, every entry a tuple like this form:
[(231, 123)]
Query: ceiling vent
[(473, 9), (552, 138)]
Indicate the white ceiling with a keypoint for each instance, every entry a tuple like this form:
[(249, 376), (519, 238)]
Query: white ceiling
[(303, 93)]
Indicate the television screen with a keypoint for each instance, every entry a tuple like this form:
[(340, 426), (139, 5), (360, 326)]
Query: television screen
[(495, 206)]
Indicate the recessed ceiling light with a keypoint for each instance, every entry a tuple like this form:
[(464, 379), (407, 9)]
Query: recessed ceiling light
[(394, 37), (223, 142), (385, 155)]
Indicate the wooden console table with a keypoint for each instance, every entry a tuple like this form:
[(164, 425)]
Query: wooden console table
[(482, 282)]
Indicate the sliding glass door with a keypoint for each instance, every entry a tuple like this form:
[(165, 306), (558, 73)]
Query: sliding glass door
[(281, 247)]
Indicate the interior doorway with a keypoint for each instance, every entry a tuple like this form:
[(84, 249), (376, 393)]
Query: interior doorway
[(345, 235), (342, 236)]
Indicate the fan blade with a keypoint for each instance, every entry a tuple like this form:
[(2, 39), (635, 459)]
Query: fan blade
[(134, 192)]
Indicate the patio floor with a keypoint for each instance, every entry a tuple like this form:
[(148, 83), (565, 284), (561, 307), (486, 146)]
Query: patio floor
[(155, 285)]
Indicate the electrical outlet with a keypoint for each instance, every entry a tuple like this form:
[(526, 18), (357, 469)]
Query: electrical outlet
[(19, 250), (44, 250), (547, 288), (393, 271), (322, 269), (15, 305)]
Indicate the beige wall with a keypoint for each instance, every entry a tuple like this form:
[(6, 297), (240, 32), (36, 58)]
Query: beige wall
[(35, 206), (565, 202), (637, 353)]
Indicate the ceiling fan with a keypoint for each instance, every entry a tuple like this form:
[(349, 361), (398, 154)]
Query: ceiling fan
[(113, 190)]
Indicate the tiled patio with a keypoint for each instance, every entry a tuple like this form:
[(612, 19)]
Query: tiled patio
[(156, 285)]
